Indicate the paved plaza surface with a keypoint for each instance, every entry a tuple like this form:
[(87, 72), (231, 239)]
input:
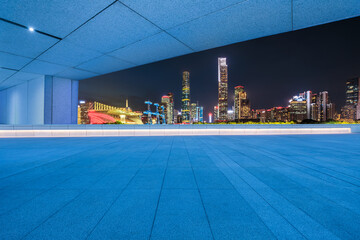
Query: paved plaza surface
[(198, 187)]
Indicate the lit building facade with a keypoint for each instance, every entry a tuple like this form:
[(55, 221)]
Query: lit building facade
[(307, 96), (314, 109), (185, 98), (280, 114), (231, 115), (223, 89), (331, 111), (193, 108), (323, 101), (176, 114), (83, 110), (297, 109), (352, 91), (351, 111), (242, 104), (216, 113), (168, 102), (261, 115), (199, 114)]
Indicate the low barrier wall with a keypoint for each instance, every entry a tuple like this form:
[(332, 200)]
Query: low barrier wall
[(10, 131)]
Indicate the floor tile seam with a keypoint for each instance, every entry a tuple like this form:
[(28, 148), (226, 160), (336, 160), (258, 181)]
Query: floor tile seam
[(287, 200), (272, 156), (66, 204), (233, 147), (45, 191), (198, 190), (209, 157), (282, 162), (54, 170), (321, 166), (161, 189), (267, 186), (281, 156), (250, 205), (324, 147), (285, 164), (298, 183), (42, 165), (37, 195), (294, 145), (122, 191)]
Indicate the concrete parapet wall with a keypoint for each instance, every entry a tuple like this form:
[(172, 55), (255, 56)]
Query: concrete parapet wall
[(171, 130)]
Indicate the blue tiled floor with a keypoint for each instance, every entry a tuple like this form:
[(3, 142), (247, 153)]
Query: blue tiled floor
[(213, 187)]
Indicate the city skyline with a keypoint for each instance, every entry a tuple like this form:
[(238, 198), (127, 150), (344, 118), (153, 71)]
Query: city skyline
[(272, 68), (304, 106)]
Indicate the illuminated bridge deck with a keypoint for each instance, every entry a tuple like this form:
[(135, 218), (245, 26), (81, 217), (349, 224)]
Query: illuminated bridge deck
[(191, 187)]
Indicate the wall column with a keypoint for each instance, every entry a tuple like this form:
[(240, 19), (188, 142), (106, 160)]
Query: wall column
[(61, 100)]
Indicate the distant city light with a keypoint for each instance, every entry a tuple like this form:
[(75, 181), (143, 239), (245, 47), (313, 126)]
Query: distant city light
[(31, 29)]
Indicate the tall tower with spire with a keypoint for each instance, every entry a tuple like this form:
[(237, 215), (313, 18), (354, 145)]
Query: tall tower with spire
[(223, 89), (185, 97)]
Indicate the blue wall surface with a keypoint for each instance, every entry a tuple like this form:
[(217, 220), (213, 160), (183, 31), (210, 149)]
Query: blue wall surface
[(23, 104), (44, 100)]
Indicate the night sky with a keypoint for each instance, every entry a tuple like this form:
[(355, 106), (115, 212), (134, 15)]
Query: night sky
[(272, 69)]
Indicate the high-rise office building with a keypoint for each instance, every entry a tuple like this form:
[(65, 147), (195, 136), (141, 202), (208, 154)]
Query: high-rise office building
[(314, 110), (193, 108), (307, 96), (231, 115), (261, 114), (199, 114), (278, 114), (323, 101), (176, 116), (352, 91), (168, 102), (351, 111), (185, 98), (84, 107), (297, 109), (242, 104), (330, 111), (216, 113), (223, 89)]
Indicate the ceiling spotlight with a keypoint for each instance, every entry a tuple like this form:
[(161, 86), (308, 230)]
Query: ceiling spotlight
[(31, 29)]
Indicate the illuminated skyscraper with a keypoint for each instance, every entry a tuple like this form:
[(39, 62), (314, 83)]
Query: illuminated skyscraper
[(352, 91), (231, 114), (351, 110), (168, 102), (177, 115), (307, 96), (170, 113), (323, 101), (297, 109), (216, 113), (314, 109), (200, 114), (185, 98), (242, 104), (193, 107), (223, 89)]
